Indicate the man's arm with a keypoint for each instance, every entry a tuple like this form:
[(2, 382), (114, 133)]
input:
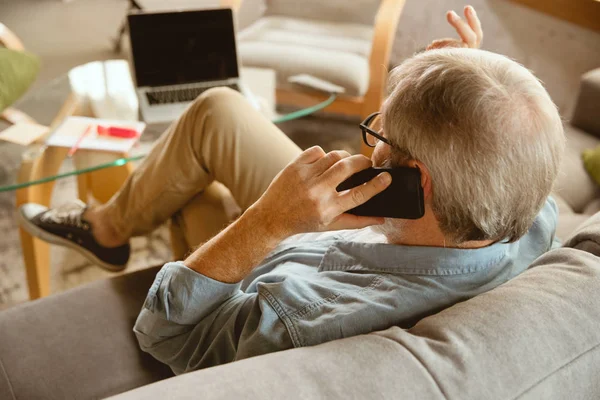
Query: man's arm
[(190, 321), (302, 198), (231, 255), (195, 314)]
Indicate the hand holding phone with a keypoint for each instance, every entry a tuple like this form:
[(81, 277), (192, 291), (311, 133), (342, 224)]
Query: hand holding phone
[(303, 196), (402, 199)]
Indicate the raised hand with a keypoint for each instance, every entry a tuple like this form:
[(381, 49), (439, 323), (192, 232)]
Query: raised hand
[(468, 29), (303, 196)]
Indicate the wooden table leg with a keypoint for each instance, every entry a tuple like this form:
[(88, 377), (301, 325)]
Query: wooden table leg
[(83, 187), (36, 253), (35, 165), (104, 183)]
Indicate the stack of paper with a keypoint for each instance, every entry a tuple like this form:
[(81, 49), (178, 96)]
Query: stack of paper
[(73, 128)]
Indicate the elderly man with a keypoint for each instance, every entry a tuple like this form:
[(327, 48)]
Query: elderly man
[(295, 269)]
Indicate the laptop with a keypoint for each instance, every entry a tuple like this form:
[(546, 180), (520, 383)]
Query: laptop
[(178, 55)]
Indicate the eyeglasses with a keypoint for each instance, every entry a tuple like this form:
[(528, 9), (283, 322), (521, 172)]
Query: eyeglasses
[(371, 128)]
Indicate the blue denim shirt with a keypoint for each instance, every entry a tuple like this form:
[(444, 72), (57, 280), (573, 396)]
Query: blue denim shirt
[(319, 287)]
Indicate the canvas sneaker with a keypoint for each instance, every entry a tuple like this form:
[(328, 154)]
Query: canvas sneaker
[(65, 226)]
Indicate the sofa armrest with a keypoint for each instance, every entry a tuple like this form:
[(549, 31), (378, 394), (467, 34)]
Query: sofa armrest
[(78, 344), (586, 115)]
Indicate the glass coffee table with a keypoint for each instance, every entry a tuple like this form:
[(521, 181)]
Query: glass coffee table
[(31, 171)]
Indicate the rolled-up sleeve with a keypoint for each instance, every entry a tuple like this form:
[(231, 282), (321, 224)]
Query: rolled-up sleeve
[(190, 321)]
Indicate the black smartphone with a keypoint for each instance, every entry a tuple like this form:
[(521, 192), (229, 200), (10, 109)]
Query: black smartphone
[(402, 199)]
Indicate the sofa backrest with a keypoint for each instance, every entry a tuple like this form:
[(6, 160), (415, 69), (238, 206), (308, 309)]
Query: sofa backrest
[(78, 344), (534, 337)]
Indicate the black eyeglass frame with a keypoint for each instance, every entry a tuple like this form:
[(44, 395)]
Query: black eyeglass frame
[(364, 127)]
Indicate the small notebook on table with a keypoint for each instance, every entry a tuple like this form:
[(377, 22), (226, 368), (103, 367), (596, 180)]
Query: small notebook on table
[(70, 131)]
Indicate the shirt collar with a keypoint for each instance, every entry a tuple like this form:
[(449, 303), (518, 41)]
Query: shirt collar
[(424, 260)]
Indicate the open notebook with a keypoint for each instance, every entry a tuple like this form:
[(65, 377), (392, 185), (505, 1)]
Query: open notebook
[(67, 134)]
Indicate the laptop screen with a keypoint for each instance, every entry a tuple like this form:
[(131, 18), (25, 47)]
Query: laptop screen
[(183, 47)]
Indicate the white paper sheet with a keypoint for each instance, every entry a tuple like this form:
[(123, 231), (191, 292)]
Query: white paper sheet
[(23, 133), (72, 128)]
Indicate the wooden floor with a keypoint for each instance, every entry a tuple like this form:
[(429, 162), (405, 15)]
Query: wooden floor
[(581, 12)]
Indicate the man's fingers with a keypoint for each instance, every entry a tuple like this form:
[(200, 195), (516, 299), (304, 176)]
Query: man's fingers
[(329, 160), (474, 23), (463, 29), (346, 167), (311, 155), (361, 194)]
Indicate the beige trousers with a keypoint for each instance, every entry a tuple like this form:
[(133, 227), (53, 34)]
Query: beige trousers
[(212, 163)]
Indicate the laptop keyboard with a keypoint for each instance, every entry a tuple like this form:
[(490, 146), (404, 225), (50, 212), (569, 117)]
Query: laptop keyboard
[(183, 95)]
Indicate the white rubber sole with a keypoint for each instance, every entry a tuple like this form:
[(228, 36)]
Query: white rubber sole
[(36, 231)]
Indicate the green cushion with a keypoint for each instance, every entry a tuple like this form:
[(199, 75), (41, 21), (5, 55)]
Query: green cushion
[(18, 70), (591, 161)]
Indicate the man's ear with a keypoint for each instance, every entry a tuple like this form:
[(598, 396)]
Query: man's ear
[(425, 177)]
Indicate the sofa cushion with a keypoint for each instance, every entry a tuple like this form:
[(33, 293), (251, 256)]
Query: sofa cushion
[(537, 333), (585, 116), (593, 207), (567, 224), (335, 52), (567, 219), (78, 344), (573, 183), (563, 207), (18, 70)]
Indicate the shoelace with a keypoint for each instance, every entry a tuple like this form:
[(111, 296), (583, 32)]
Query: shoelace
[(67, 214)]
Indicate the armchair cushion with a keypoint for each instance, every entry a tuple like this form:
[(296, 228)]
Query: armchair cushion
[(18, 70), (336, 52), (330, 10)]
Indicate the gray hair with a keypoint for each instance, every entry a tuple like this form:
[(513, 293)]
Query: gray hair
[(488, 132)]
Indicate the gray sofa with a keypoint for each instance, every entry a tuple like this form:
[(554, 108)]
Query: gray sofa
[(537, 336), (577, 195)]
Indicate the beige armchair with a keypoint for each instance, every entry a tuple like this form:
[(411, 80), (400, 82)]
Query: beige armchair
[(10, 41), (346, 43)]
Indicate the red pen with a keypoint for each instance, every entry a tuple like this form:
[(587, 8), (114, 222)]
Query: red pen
[(115, 131), (79, 140)]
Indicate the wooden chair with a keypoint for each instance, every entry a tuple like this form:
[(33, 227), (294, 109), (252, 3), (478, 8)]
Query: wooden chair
[(9, 40), (358, 104)]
